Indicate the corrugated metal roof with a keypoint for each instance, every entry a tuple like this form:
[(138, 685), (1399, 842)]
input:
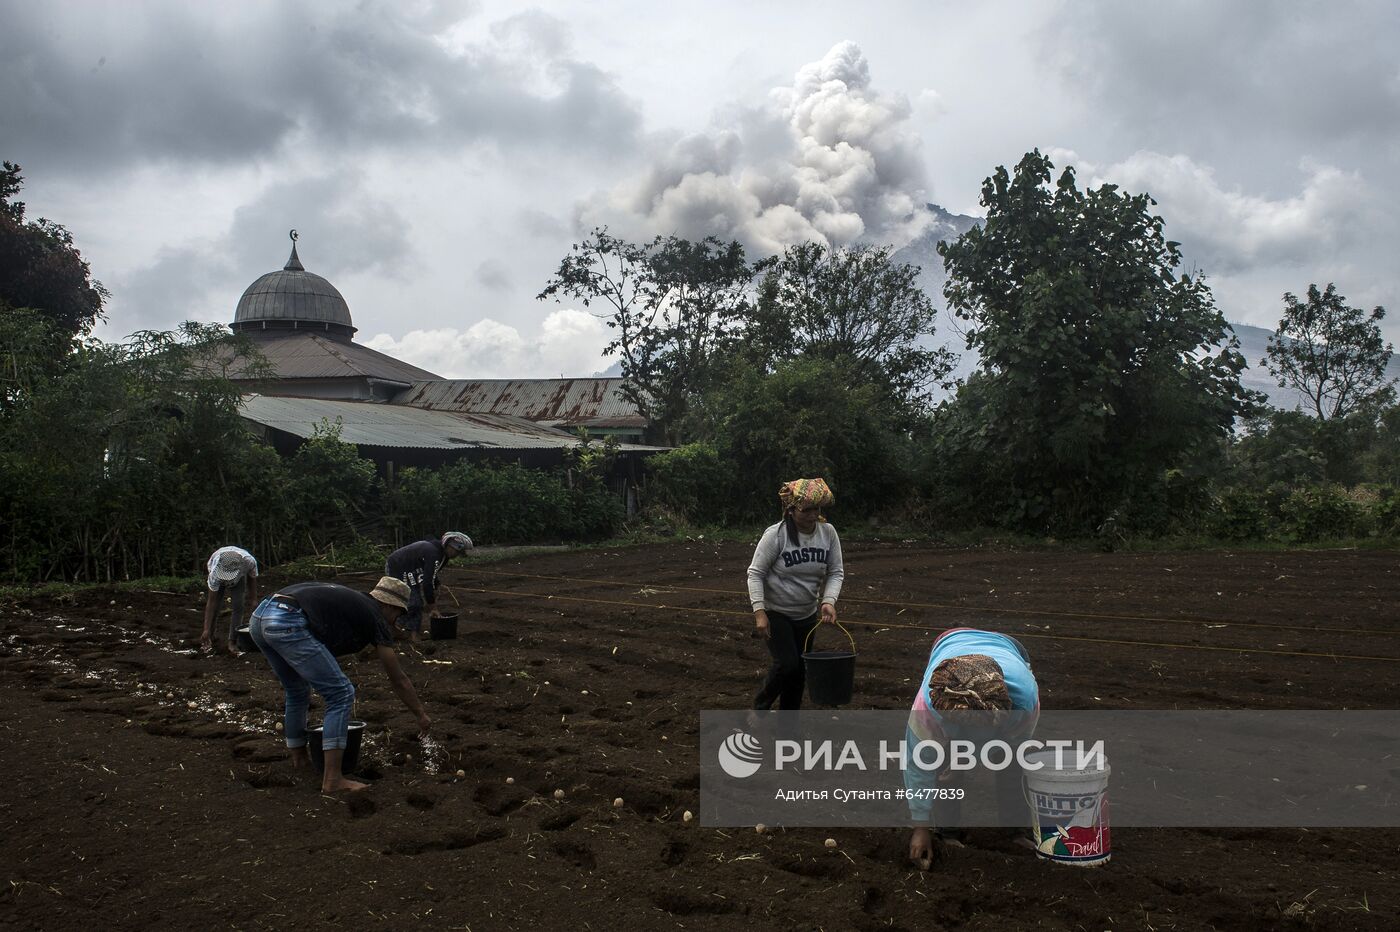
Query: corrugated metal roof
[(573, 402), (391, 425), (302, 354)]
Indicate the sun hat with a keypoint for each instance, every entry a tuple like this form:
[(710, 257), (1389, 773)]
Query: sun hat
[(391, 591), (458, 538), (229, 565)]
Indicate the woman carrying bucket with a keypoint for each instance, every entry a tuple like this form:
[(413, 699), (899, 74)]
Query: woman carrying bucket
[(794, 582), (977, 685)]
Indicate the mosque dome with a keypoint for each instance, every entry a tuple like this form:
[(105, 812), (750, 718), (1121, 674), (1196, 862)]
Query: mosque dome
[(293, 299)]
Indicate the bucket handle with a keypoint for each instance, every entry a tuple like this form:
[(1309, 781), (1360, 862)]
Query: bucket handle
[(808, 643)]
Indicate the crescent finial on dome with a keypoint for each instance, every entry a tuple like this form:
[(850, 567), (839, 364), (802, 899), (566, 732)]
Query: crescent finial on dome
[(293, 262)]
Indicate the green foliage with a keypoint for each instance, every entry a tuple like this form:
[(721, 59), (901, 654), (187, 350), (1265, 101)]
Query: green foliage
[(807, 417), (671, 303), (1323, 512), (41, 270), (1331, 353), (1101, 367), (1240, 514), (689, 482), (854, 305), (329, 486), (502, 503), (357, 555)]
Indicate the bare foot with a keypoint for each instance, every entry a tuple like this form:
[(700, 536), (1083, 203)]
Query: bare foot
[(343, 785), (301, 759), (233, 652)]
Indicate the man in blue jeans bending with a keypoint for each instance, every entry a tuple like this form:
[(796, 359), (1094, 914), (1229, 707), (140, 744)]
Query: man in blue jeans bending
[(301, 629)]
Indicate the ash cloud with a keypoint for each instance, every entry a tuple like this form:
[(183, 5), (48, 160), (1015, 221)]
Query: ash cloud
[(828, 158)]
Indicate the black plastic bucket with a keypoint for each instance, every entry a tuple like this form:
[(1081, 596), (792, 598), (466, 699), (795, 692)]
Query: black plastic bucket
[(444, 627), (354, 730), (831, 674), (245, 641)]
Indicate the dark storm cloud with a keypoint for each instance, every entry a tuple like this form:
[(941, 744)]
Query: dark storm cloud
[(1235, 74), (94, 86), (494, 275), (343, 229)]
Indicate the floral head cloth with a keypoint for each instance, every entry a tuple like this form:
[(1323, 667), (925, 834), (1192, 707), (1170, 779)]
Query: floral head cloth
[(801, 492)]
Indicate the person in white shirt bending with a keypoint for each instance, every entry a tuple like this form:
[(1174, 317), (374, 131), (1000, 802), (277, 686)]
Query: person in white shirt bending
[(233, 573), (794, 582)]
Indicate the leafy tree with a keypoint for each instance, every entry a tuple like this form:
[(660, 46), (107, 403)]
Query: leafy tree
[(1331, 353), (330, 486), (807, 417), (855, 305), (1101, 367), (131, 459), (671, 302), (40, 268)]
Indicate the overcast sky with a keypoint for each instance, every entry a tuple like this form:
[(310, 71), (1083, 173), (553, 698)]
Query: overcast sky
[(438, 159)]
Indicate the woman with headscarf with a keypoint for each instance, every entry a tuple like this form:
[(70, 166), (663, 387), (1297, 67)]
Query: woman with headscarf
[(977, 685), (794, 582)]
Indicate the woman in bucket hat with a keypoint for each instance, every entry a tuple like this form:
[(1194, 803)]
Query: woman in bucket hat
[(418, 564), (794, 582), (233, 573), (301, 629)]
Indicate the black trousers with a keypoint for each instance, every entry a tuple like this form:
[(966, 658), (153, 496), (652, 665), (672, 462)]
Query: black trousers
[(786, 678)]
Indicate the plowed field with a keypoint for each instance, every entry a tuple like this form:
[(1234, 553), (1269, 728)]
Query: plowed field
[(146, 785)]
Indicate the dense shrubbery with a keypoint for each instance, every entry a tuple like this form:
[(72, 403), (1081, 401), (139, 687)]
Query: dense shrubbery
[(130, 460), (502, 503)]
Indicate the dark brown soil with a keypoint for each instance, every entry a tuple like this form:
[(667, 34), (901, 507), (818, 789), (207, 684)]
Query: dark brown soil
[(147, 786)]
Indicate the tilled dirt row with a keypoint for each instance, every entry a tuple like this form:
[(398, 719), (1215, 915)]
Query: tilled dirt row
[(149, 785)]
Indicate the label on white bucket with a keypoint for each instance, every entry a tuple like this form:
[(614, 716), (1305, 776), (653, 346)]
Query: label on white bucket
[(1069, 810)]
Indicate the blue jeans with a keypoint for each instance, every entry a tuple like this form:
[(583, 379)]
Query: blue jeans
[(302, 663)]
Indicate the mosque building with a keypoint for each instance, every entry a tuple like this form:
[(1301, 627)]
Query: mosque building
[(396, 413)]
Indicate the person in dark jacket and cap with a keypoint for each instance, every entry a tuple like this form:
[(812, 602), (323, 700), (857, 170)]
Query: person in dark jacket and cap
[(418, 565)]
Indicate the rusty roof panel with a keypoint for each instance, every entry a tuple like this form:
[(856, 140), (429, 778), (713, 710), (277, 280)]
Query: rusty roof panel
[(567, 402)]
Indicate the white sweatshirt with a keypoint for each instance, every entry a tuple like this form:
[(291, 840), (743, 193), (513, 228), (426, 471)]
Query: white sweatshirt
[(786, 578)]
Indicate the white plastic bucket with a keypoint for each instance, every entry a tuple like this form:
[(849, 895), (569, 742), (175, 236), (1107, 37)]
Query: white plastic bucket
[(1069, 810)]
